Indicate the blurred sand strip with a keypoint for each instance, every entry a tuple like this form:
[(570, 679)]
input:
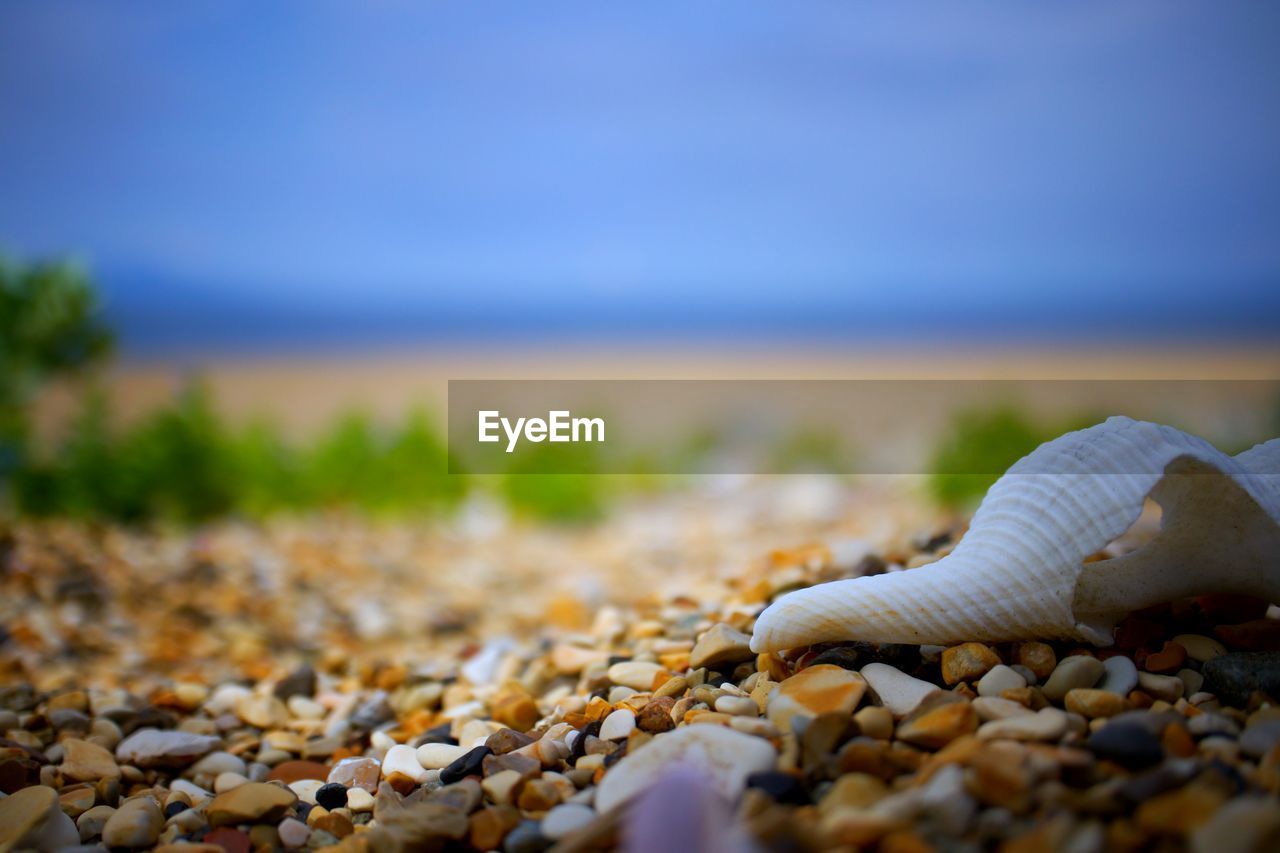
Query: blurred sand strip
[(303, 393)]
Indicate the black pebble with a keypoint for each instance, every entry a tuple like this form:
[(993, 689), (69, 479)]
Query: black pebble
[(1233, 677), (783, 787), (176, 807), (846, 657), (468, 765), (580, 745), (440, 734), (1127, 744), (332, 796), (300, 682)]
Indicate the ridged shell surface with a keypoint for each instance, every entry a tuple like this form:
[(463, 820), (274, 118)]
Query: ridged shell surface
[(1014, 574)]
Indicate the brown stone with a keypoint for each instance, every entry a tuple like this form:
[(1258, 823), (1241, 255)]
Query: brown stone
[(1092, 703), (904, 841), (853, 790), (489, 826), (1179, 811), (17, 771), (289, 772), (967, 662), (1030, 697), (538, 795), (515, 708), (1177, 741), (25, 812), (820, 689), (507, 740), (519, 762), (250, 803), (338, 824), (655, 716), (934, 726), (1001, 778), (864, 755), (1170, 658), (356, 773), (1258, 635), (84, 761), (226, 839), (77, 800), (719, 646), (1037, 657)]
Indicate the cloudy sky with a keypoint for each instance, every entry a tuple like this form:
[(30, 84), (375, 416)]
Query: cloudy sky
[(585, 165)]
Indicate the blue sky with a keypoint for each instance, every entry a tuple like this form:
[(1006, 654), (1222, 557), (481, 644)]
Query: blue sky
[(586, 164)]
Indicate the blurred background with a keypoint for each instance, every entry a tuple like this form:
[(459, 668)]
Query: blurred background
[(245, 246)]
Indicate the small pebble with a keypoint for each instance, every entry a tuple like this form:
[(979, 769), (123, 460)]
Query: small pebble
[(1121, 675), (1072, 673), (331, 796), (437, 756), (896, 690), (1047, 724), (1128, 744), (637, 675), (1199, 647), (293, 832), (564, 819), (469, 764), (739, 706), (1164, 687), (999, 679), (618, 725), (967, 662)]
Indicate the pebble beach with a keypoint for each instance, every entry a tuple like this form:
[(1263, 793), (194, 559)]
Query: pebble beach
[(487, 684)]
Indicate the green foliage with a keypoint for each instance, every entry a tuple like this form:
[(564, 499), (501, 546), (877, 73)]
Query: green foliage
[(49, 326), (183, 464), (809, 451), (979, 447), (535, 484)]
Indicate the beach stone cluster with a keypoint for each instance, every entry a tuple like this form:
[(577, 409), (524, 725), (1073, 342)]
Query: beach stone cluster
[(590, 726)]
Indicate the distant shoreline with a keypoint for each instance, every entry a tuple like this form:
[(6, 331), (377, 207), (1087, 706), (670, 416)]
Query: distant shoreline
[(303, 392)]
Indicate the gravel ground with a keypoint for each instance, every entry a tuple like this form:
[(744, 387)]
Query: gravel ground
[(483, 684)]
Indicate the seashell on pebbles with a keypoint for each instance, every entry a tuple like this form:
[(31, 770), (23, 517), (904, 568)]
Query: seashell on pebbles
[(1020, 570)]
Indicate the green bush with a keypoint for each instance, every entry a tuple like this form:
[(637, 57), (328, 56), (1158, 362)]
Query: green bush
[(49, 326), (981, 444)]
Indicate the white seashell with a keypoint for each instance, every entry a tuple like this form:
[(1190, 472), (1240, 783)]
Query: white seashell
[(1019, 572)]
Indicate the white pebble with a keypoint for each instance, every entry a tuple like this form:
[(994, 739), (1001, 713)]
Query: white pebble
[(739, 706), (1047, 724), (1026, 673), (226, 781), (437, 756), (225, 699), (403, 759), (379, 743), (999, 679), (197, 794), (306, 789), (634, 674), (359, 800), (1121, 675), (995, 708), (304, 708), (618, 725), (1166, 687), (898, 692), (564, 819), (293, 832)]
